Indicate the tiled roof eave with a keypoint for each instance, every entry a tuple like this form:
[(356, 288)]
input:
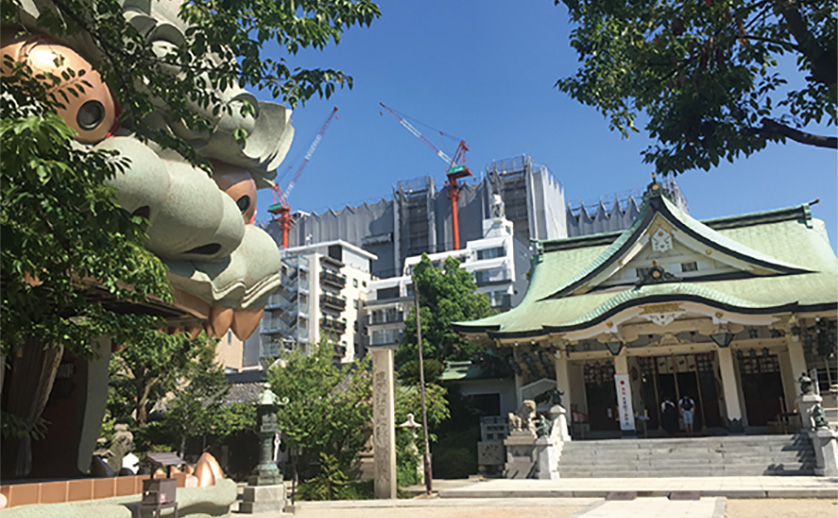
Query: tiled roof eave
[(791, 307)]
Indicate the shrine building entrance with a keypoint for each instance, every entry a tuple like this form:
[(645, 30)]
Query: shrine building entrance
[(675, 376)]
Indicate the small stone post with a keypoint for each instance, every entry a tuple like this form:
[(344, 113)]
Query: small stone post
[(559, 417), (265, 491)]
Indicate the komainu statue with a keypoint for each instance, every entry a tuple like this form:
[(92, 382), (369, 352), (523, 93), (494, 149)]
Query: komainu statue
[(523, 420)]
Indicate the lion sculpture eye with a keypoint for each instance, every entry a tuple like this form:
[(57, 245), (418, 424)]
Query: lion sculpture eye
[(88, 105)]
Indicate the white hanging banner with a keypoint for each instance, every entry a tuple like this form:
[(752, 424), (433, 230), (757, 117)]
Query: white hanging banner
[(624, 401)]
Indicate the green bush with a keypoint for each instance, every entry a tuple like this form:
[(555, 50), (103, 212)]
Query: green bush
[(455, 455)]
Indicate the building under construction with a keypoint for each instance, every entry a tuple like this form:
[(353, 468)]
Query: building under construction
[(419, 217)]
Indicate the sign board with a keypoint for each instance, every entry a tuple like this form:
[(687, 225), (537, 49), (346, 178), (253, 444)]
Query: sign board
[(624, 406)]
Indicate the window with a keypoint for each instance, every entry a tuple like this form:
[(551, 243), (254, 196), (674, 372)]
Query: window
[(689, 267), (364, 284), (354, 283), (229, 337), (385, 336), (355, 303), (490, 253), (388, 293)]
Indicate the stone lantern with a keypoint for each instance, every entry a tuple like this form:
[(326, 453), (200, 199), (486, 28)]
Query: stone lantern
[(264, 491), (412, 426)]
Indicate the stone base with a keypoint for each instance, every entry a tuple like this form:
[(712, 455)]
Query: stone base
[(825, 443), (263, 499), (521, 456), (547, 451)]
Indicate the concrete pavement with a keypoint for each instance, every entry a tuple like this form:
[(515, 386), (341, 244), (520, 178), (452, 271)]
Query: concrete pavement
[(586, 498), (730, 487)]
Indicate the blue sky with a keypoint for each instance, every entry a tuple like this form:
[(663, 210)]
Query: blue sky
[(484, 71)]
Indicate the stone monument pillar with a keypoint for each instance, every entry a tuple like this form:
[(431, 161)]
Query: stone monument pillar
[(265, 491), (384, 422)]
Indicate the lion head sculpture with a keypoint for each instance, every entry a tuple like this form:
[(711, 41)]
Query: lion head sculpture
[(221, 266)]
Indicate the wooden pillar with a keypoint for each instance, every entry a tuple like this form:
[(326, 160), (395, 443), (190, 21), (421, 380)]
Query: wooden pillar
[(797, 358), (730, 388), (384, 422)]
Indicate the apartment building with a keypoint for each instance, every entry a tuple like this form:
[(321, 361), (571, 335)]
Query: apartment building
[(320, 299)]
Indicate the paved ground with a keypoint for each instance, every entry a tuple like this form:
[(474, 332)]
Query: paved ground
[(759, 497), (706, 507), (730, 487)]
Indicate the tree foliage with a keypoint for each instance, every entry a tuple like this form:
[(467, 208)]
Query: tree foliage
[(410, 449), (60, 223), (445, 295), (200, 409), (328, 415), (61, 229), (71, 257), (154, 364), (713, 78), (227, 43)]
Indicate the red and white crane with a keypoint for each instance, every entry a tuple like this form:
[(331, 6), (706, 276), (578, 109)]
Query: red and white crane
[(280, 207), (457, 169)]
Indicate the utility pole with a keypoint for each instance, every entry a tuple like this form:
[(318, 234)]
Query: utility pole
[(427, 458)]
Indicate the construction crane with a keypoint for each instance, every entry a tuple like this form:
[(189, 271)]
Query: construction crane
[(280, 207), (457, 169)]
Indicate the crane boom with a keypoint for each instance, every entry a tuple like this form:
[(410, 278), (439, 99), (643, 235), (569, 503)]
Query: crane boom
[(457, 170), (310, 151), (416, 133), (281, 207)]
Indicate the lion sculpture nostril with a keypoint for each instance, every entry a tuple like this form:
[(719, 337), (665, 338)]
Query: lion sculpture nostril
[(144, 211), (209, 249)]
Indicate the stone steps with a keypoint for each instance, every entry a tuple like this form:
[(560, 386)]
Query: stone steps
[(679, 457)]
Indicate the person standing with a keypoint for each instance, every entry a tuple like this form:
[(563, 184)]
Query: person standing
[(669, 416), (687, 406)]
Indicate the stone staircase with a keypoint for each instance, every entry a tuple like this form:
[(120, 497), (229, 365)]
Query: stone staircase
[(689, 457)]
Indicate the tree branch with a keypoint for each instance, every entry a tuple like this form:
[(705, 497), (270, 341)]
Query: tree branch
[(824, 68), (771, 128)]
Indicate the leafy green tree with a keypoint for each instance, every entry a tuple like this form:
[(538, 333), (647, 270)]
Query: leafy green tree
[(227, 43), (328, 415), (711, 78), (69, 252), (445, 295), (152, 365), (200, 410), (410, 450)]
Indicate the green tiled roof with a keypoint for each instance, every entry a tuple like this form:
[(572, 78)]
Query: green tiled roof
[(787, 242)]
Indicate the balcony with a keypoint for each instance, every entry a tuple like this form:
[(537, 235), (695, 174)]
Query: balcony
[(332, 279), (332, 302), (333, 324), (385, 317)]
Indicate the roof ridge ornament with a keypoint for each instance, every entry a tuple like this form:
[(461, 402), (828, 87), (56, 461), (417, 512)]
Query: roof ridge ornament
[(657, 190)]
